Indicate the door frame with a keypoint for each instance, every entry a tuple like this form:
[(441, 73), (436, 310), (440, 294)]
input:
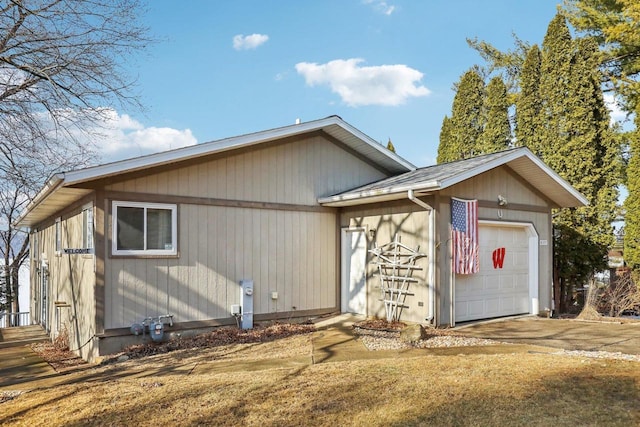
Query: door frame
[(533, 238), (344, 280)]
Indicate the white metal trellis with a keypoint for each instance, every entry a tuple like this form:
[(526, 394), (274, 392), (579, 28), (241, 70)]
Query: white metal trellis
[(396, 263)]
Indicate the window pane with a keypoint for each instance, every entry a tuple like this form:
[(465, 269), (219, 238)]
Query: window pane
[(130, 228), (159, 229)]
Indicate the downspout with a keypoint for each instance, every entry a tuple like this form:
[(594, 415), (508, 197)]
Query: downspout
[(430, 253)]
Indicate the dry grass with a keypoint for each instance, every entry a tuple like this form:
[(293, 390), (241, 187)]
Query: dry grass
[(218, 386)]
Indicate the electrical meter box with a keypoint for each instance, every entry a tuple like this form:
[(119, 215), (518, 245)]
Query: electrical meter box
[(246, 301)]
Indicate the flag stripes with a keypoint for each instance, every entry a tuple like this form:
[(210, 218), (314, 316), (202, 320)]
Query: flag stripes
[(464, 226)]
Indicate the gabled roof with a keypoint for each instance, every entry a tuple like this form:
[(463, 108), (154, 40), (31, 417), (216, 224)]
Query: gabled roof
[(430, 179), (65, 188)]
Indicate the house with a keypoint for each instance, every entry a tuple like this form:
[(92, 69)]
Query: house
[(297, 212)]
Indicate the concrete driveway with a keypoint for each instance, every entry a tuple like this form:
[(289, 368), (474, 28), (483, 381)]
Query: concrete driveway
[(560, 333)]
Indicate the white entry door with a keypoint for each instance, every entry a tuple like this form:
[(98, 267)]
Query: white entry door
[(502, 287), (353, 261)]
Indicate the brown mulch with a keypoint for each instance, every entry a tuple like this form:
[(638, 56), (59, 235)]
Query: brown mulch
[(380, 325), (62, 360), (221, 336), (59, 357)]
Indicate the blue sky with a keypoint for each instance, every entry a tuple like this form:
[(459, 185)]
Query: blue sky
[(225, 68)]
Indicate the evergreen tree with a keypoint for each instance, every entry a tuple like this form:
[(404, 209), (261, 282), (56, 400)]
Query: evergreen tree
[(390, 146), (632, 203), (445, 151), (529, 103), (555, 75), (615, 24), (467, 120), (496, 135), (578, 144)]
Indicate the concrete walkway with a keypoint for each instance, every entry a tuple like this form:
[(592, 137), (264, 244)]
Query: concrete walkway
[(22, 369), (22, 335), (568, 334)]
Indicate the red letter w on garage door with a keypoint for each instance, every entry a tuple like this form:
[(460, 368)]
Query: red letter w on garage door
[(498, 257)]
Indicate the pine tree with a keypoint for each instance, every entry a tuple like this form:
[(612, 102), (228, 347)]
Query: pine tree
[(445, 151), (578, 144), (467, 120), (529, 103), (390, 146), (496, 134), (555, 75), (632, 202)]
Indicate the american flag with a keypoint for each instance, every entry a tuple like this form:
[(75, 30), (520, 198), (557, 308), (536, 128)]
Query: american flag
[(464, 222)]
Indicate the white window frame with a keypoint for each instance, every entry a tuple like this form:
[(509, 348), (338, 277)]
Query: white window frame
[(87, 227), (144, 252)]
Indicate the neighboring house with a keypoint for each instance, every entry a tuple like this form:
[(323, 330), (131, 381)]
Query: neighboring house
[(294, 209)]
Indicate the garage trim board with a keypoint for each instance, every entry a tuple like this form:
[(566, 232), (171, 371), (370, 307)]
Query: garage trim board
[(507, 283)]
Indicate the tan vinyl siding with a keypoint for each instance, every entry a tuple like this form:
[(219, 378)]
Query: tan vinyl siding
[(486, 188), (499, 181), (285, 250), (294, 173), (71, 281), (220, 246), (411, 223)]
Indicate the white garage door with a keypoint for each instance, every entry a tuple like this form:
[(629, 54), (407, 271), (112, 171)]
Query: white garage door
[(501, 287)]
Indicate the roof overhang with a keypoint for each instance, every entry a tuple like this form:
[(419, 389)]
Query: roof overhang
[(522, 161), (66, 188)]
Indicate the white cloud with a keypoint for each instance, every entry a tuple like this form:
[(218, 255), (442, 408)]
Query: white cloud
[(242, 42), (123, 137), (358, 85), (380, 6)]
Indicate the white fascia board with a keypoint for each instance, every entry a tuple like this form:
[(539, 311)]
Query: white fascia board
[(222, 145), (503, 160), (380, 195), (55, 182), (484, 167), (359, 134), (557, 178)]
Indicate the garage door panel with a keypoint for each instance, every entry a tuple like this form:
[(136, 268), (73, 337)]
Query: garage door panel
[(495, 291)]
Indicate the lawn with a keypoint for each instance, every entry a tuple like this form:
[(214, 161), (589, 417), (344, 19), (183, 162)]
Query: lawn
[(274, 383)]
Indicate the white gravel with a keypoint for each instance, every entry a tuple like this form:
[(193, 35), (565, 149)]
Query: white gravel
[(390, 340)]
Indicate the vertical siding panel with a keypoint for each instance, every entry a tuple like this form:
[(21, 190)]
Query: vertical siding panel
[(231, 178), (202, 262), (151, 285), (331, 259), (288, 263), (140, 280), (201, 180), (256, 245), (128, 294), (230, 243), (222, 178), (324, 255), (304, 262), (280, 170), (188, 264), (315, 260), (193, 265), (248, 254), (211, 259), (117, 292), (264, 261), (221, 264), (173, 289), (272, 255), (281, 260), (172, 183), (296, 262)]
